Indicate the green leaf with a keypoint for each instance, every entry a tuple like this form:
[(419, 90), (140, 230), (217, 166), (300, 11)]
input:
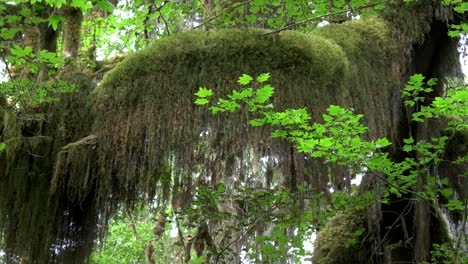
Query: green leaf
[(326, 143), (408, 140), (460, 95), (220, 188), (257, 122), (335, 110), (359, 232), (201, 101), (236, 95), (263, 77), (279, 134), (55, 20), (263, 94), (105, 6), (37, 20), (13, 19), (416, 78), (307, 145), (204, 92), (447, 192), (382, 142), (215, 110), (455, 205), (82, 4), (245, 79), (432, 82), (408, 148), (444, 181), (18, 51), (228, 105), (2, 147), (301, 187), (8, 33), (268, 249)]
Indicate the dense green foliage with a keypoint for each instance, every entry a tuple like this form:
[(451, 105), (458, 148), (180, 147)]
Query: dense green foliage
[(339, 141)]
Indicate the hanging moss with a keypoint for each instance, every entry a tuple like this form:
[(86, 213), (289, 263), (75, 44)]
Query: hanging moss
[(144, 131), (24, 188), (369, 49), (146, 126), (34, 223), (146, 118)]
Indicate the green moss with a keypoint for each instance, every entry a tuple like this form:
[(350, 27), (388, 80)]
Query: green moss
[(340, 242), (145, 110), (32, 221), (146, 118), (194, 58), (72, 31), (10, 125), (374, 72)]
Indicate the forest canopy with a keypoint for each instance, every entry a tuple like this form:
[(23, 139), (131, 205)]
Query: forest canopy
[(233, 131)]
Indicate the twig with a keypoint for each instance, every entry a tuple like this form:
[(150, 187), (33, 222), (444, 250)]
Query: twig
[(229, 8), (322, 16), (404, 213), (147, 18), (165, 23), (247, 230), (132, 225)]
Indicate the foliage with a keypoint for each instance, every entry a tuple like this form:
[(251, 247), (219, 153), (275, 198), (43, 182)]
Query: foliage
[(339, 138), (31, 92), (121, 246), (128, 236), (461, 9)]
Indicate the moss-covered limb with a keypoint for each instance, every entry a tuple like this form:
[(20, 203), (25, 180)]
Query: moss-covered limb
[(104, 66), (206, 59), (72, 31), (9, 125), (75, 182), (146, 117), (369, 48), (89, 140)]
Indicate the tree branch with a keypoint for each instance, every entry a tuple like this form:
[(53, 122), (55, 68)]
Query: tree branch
[(305, 21)]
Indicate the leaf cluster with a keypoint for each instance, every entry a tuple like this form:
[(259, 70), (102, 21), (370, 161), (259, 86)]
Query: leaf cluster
[(339, 138)]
